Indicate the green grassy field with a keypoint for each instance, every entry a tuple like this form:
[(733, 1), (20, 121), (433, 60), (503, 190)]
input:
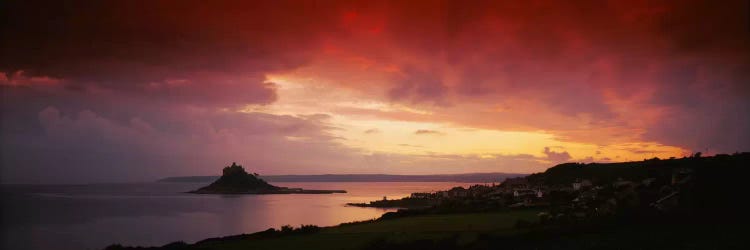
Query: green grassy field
[(357, 236)]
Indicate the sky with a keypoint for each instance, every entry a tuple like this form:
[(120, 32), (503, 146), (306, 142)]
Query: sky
[(101, 91)]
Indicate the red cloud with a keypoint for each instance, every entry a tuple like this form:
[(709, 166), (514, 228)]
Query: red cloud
[(19, 79), (601, 72)]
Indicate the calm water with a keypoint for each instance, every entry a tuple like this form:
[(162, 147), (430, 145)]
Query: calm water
[(94, 216)]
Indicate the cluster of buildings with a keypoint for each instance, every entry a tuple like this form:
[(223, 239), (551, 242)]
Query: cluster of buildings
[(511, 191), (581, 197)]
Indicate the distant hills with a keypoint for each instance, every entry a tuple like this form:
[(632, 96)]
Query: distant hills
[(468, 178)]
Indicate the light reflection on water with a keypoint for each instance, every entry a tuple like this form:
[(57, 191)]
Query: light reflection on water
[(94, 216)]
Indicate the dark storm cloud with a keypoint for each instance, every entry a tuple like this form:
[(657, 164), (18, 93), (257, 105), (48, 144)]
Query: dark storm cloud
[(189, 51), (118, 83), (142, 87), (691, 58)]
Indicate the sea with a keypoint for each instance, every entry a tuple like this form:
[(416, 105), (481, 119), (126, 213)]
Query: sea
[(93, 216)]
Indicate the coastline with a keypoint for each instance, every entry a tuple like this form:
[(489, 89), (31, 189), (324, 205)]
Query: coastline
[(626, 205)]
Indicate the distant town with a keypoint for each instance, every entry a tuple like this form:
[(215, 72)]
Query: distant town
[(574, 190)]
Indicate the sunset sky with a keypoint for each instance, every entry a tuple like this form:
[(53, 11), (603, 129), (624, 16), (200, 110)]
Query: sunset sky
[(138, 90)]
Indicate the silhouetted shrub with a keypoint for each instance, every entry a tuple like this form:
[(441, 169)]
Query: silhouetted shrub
[(286, 229)]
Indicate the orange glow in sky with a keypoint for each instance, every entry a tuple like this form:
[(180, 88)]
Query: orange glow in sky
[(419, 87)]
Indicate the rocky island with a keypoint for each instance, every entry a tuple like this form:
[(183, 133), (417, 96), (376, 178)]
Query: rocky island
[(234, 180)]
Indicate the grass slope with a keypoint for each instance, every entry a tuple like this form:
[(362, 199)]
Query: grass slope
[(359, 236)]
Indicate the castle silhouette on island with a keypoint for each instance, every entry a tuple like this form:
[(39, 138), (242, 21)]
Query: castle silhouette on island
[(235, 180)]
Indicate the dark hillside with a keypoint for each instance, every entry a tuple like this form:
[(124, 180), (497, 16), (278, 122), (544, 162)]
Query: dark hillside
[(662, 170)]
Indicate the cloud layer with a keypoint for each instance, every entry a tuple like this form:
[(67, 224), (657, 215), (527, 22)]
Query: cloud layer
[(128, 90)]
